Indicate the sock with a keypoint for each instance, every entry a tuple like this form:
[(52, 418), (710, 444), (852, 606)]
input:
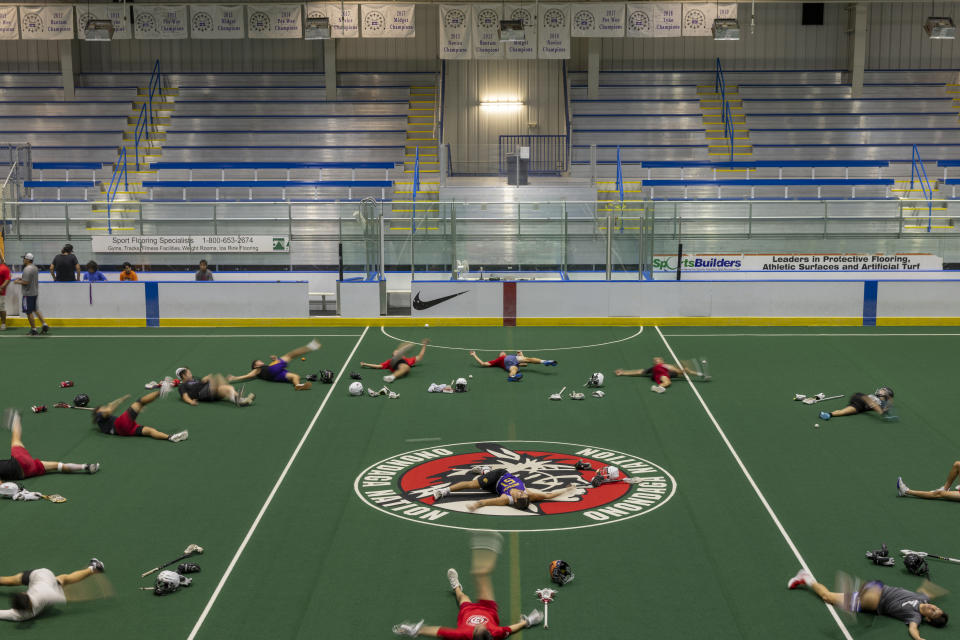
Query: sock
[(71, 467)]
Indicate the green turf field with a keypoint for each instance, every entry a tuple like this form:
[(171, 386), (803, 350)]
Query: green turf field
[(306, 538)]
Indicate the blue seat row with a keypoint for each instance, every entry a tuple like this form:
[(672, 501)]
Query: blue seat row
[(773, 182), (273, 165), (224, 184)]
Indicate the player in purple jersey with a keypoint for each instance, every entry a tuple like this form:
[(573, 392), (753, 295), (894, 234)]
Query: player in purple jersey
[(276, 369), (509, 489)]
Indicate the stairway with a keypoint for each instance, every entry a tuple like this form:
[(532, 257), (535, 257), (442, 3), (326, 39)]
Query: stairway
[(125, 203), (421, 136), (711, 107), (917, 211)]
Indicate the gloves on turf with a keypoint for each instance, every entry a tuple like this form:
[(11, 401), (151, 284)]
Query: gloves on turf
[(188, 567), (533, 618)]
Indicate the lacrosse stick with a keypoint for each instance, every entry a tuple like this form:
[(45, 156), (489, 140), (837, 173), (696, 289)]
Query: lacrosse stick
[(54, 497), (924, 554), (546, 597), (189, 551), (819, 398), (558, 395), (64, 405)]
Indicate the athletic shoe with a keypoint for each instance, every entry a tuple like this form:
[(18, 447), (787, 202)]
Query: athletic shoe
[(825, 416), (247, 400), (515, 378), (549, 363), (957, 488), (389, 378), (3, 327), (313, 345), (798, 396), (93, 467), (901, 487), (33, 332), (150, 386), (454, 579), (408, 628), (96, 565), (44, 329), (179, 436), (803, 578), (657, 388), (480, 469), (441, 493), (533, 618), (303, 386)]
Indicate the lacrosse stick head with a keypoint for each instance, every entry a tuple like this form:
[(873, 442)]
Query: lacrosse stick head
[(61, 405), (56, 497), (556, 396), (193, 549), (166, 387), (546, 594)]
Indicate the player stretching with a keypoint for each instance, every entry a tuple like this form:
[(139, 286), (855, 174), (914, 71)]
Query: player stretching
[(509, 489), (43, 590), (940, 493), (22, 465), (512, 363), (276, 371), (909, 607), (878, 401), (209, 388), (398, 365), (661, 372), (605, 474), (475, 620), (126, 424)]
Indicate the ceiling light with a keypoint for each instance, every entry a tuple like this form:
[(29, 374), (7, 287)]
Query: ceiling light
[(726, 29), (941, 28), (98, 31), (511, 30), (316, 29)]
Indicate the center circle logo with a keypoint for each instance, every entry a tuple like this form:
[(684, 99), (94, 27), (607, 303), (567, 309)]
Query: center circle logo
[(606, 487)]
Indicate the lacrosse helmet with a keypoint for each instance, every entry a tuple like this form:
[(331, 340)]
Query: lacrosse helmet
[(81, 400), (460, 385), (326, 376), (916, 564), (596, 380), (9, 489), (356, 388), (885, 392), (561, 572), (167, 582)]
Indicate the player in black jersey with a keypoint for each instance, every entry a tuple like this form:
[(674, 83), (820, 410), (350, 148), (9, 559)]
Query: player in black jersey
[(209, 388)]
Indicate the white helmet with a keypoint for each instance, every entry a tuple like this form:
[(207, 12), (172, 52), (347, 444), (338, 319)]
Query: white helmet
[(356, 388), (170, 581), (9, 489), (460, 385), (596, 380)]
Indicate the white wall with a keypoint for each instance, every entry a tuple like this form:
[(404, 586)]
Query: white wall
[(233, 300)]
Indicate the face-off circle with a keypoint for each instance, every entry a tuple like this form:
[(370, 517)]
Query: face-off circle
[(403, 485)]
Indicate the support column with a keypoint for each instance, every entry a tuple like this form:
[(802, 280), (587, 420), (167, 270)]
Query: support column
[(67, 73), (330, 67), (593, 68), (858, 46)]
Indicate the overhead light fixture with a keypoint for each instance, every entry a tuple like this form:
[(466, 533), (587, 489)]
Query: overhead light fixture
[(511, 30), (501, 105), (316, 29), (726, 29), (98, 31), (940, 28)]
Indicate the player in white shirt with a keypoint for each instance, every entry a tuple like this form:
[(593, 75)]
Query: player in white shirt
[(43, 590)]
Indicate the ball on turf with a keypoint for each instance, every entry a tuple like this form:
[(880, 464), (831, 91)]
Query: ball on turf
[(426, 324), (817, 425), (302, 358)]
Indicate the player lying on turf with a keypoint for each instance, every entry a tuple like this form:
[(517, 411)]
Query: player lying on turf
[(276, 370), (508, 488), (605, 474), (22, 465), (879, 401), (910, 607), (480, 619), (209, 388), (126, 423), (512, 363), (940, 493), (43, 590), (398, 364), (660, 372)]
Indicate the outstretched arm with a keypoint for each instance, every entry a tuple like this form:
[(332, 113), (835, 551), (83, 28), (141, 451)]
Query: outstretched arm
[(502, 501), (914, 630), (189, 400), (537, 496), (630, 372), (479, 361), (246, 376)]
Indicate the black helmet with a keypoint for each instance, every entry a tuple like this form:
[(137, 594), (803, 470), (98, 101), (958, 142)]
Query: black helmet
[(916, 564), (326, 376), (561, 572), (81, 400)]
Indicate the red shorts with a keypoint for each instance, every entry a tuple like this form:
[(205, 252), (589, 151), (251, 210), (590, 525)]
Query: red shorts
[(30, 465), (658, 372), (386, 364), (126, 425)]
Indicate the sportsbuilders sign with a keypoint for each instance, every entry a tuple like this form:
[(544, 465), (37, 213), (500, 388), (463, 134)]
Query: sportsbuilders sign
[(191, 244), (800, 262)]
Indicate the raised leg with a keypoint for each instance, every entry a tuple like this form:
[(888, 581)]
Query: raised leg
[(144, 401)]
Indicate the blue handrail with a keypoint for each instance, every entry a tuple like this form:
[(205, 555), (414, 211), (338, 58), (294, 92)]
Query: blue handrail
[(142, 130), (619, 175), (726, 116), (443, 86), (566, 112), (916, 167), (155, 86), (120, 171)]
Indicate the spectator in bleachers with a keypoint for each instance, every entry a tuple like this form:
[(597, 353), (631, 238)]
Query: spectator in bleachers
[(128, 274), (65, 267), (204, 274), (93, 273), (4, 281)]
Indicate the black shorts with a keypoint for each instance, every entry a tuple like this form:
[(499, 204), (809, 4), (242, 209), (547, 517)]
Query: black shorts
[(488, 481), (859, 402), (205, 394)]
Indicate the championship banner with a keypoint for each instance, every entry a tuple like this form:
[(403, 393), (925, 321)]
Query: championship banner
[(639, 20), (595, 20), (455, 32), (272, 21), (525, 49), (388, 20), (554, 28), (727, 11), (160, 21), (216, 21), (666, 20), (344, 18), (9, 22), (486, 32), (698, 19), (52, 22), (118, 14)]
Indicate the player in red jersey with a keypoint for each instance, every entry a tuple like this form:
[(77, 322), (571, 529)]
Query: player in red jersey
[(512, 363), (478, 620), (22, 465), (398, 365), (126, 424), (661, 372)]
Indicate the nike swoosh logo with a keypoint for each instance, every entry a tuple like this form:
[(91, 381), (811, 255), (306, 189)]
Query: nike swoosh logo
[(420, 305)]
